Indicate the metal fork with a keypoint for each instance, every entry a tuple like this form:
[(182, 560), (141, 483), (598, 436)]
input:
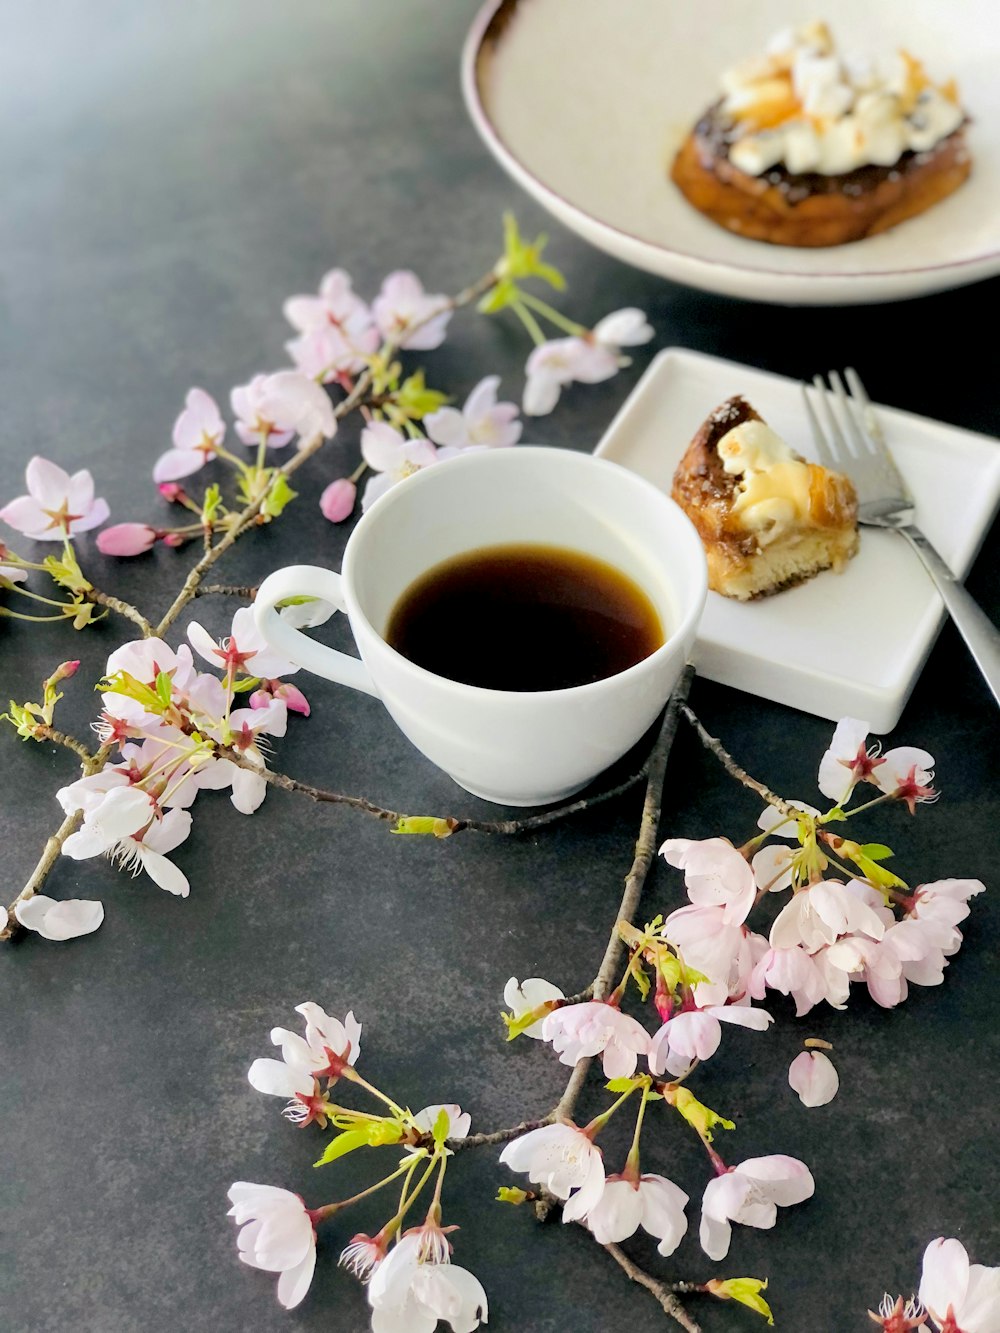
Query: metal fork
[(852, 442)]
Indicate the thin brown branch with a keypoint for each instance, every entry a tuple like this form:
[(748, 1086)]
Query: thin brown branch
[(63, 738), (498, 1135), (125, 609), (225, 590), (662, 1291), (454, 824), (715, 746)]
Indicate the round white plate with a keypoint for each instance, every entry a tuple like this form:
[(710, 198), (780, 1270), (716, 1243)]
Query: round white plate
[(585, 101)]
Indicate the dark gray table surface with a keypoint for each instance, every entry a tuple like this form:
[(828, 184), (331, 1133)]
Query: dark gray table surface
[(171, 173)]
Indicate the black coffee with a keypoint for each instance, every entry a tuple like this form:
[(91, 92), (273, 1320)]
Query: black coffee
[(524, 617)]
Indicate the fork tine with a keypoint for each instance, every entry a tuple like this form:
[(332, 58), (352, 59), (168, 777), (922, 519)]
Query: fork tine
[(840, 448), (822, 448), (859, 443), (872, 428)]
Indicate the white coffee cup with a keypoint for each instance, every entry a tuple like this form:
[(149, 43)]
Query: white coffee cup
[(511, 747)]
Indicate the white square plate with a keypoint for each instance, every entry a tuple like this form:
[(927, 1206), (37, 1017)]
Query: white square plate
[(850, 643)]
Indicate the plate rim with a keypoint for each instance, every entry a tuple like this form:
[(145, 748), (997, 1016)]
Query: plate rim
[(472, 50)]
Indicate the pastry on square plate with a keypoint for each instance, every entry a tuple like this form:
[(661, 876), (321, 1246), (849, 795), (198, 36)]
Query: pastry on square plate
[(807, 148), (766, 517)]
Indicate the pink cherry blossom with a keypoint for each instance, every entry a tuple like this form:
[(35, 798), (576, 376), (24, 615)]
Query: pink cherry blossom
[(336, 331), (596, 1028), (715, 875), (695, 1034), (125, 539), (338, 500), (402, 305), (393, 457), (292, 697), (907, 774), (521, 997), (277, 1235), (198, 432), (791, 971), (563, 1159), (751, 1194), (822, 913), (246, 727), (813, 1076), (725, 954), (587, 358), (410, 1292), (244, 650), (248, 404), (126, 826), (652, 1202), (280, 406), (58, 920), (482, 420), (960, 1297), (57, 505), (327, 1046), (459, 1121)]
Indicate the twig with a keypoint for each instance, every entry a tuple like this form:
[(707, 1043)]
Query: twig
[(125, 609), (715, 746), (224, 590), (85, 756), (661, 1290), (455, 825), (498, 1135)]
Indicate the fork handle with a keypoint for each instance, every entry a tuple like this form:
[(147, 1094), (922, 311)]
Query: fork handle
[(981, 636)]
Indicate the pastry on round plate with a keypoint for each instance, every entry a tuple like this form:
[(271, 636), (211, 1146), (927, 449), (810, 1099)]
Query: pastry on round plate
[(766, 517), (806, 148)]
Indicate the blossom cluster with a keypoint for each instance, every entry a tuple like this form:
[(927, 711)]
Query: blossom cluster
[(703, 967), (177, 732), (410, 1280)]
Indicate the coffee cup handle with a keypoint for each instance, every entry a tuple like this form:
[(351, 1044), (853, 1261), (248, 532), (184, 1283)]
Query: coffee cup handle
[(307, 581)]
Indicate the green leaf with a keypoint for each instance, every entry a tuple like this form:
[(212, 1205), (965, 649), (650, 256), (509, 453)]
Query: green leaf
[(381, 1132), (65, 571), (700, 1117), (622, 1084), (278, 497), (344, 1143), (745, 1290), (21, 720), (163, 688), (670, 969), (498, 298), (441, 1127), (523, 259), (834, 816), (245, 684), (125, 684), (876, 851), (210, 504), (415, 400), (641, 980), (517, 1024)]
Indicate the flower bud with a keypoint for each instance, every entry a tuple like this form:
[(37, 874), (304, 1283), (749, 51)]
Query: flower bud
[(125, 539), (337, 501), (173, 539), (171, 491)]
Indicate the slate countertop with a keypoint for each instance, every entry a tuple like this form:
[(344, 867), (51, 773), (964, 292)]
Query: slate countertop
[(172, 174)]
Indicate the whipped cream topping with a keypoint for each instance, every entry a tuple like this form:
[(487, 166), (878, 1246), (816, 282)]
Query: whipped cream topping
[(773, 495), (811, 110)]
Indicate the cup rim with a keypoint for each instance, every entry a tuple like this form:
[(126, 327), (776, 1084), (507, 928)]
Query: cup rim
[(573, 458)]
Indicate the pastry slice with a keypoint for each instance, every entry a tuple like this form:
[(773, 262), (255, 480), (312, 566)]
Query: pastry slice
[(807, 148), (766, 517)]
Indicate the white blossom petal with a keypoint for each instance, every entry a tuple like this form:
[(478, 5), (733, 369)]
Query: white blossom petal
[(813, 1076)]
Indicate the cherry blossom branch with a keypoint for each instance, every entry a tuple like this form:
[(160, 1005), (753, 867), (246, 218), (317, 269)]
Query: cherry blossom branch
[(225, 590), (664, 1292), (123, 608), (715, 746), (449, 824)]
